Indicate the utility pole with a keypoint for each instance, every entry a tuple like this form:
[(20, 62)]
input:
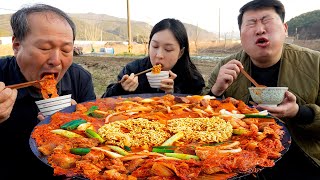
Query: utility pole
[(129, 27), (219, 26)]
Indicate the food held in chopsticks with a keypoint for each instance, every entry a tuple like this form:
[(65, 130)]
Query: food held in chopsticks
[(156, 69), (49, 86)]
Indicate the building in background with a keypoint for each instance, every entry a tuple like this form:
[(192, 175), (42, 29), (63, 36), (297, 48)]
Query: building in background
[(5, 40)]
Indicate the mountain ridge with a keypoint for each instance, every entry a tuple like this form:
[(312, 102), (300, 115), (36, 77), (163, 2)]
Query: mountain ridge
[(103, 27), (306, 26), (94, 27)]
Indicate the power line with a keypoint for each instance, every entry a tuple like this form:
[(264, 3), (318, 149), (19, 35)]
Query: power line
[(8, 9)]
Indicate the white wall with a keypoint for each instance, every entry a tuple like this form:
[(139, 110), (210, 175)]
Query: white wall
[(6, 40), (76, 42)]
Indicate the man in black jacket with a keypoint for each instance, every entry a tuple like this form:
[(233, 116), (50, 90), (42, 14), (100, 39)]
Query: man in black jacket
[(43, 40)]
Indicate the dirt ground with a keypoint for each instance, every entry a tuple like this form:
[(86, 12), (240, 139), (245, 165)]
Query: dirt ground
[(104, 70)]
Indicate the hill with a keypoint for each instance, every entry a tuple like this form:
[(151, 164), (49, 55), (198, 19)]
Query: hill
[(103, 27), (305, 26)]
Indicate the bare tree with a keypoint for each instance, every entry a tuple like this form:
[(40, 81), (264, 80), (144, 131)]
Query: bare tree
[(225, 40), (90, 32), (142, 39), (196, 38), (93, 32), (145, 43)]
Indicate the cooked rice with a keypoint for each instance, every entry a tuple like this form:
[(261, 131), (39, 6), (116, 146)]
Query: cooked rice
[(204, 130)]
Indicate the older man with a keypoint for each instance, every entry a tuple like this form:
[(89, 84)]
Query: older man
[(43, 38)]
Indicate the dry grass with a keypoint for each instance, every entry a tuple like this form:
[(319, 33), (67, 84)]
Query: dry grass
[(314, 44), (196, 48), (6, 50)]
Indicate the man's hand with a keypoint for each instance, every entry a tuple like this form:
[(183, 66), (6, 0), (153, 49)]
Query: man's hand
[(227, 74), (7, 100), (287, 109), (129, 83), (167, 85)]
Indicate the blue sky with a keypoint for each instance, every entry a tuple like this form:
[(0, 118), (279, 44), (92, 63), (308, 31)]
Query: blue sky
[(204, 13)]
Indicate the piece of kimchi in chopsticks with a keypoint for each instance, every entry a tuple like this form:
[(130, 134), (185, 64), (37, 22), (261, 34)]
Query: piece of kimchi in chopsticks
[(156, 69), (49, 86), (168, 137)]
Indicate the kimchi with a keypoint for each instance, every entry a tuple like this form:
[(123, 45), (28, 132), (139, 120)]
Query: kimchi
[(156, 69), (48, 86), (168, 137)]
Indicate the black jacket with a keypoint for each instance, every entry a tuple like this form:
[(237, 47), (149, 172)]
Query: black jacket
[(181, 84)]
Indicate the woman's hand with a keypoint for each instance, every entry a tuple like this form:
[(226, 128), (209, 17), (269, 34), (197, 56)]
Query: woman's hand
[(7, 99), (227, 74), (167, 85), (129, 83)]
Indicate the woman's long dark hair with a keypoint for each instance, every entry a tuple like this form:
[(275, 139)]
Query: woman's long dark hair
[(184, 68)]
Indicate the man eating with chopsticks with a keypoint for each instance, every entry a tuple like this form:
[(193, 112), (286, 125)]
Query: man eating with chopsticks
[(43, 41)]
